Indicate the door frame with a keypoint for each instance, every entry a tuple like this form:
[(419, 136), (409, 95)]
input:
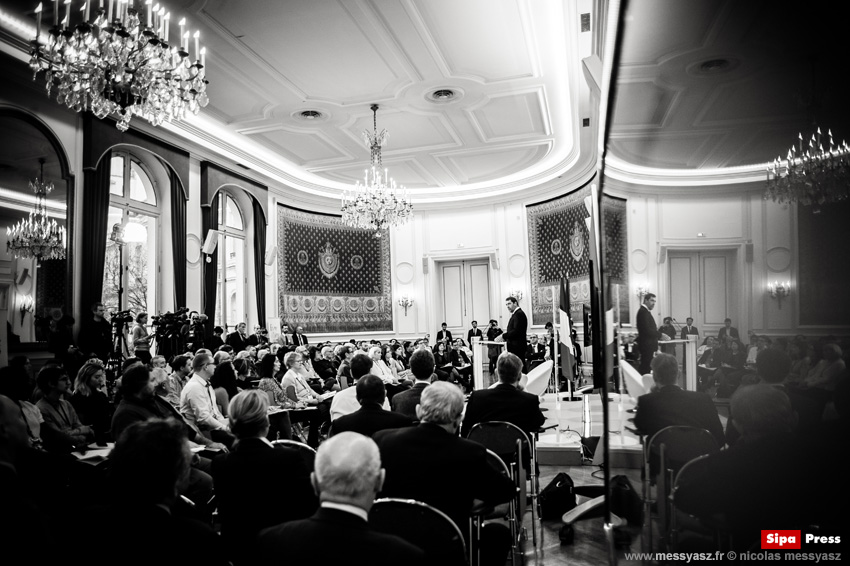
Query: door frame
[(433, 283), (744, 267)]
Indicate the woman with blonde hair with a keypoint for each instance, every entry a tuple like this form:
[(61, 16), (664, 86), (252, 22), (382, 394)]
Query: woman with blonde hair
[(90, 402)]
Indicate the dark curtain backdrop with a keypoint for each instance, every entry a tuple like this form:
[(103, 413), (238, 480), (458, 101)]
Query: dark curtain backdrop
[(260, 260), (178, 235), (209, 221), (93, 230)]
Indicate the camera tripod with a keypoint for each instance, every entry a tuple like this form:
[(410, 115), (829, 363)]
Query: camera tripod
[(119, 350)]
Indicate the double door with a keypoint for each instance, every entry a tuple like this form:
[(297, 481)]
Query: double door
[(464, 295), (702, 286)]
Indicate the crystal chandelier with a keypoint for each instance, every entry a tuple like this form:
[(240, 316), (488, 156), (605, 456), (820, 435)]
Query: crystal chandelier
[(376, 203), (116, 64), (817, 176), (38, 236)]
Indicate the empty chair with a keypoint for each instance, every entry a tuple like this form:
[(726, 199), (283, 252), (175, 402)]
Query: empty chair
[(421, 525), (307, 453)]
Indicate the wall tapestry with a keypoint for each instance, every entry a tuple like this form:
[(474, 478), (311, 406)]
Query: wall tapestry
[(332, 278), (558, 244)]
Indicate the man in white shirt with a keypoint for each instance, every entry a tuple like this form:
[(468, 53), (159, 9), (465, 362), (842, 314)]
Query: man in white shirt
[(345, 402), (197, 402)]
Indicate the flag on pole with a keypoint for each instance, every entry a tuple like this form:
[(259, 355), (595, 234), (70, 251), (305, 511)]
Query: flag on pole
[(564, 327)]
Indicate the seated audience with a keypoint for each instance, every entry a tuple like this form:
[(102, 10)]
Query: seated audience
[(371, 416), (422, 366), (762, 479), (149, 467), (343, 372), (197, 402), (345, 402), (224, 385), (670, 405), (304, 395), (348, 475), (91, 404), (430, 463), (242, 367), (504, 402), (58, 413), (181, 368), (269, 367), (822, 379), (243, 512)]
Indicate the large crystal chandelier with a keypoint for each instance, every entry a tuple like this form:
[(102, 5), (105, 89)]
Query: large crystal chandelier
[(37, 236), (118, 64), (376, 203), (818, 175)]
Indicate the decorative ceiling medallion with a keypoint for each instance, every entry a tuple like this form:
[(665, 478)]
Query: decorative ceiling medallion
[(328, 261), (576, 241)]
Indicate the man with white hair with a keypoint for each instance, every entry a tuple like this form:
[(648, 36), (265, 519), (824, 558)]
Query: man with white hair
[(347, 477), (450, 472)]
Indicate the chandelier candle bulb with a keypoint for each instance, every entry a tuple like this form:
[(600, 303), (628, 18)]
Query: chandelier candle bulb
[(67, 19), (182, 24), (109, 15), (166, 25), (197, 36), (38, 22), (55, 13), (203, 57), (148, 4)]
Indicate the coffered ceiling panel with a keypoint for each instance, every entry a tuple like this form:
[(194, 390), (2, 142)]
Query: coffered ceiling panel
[(454, 30), (299, 146), (484, 165), (406, 172), (512, 116), (407, 132), (644, 104)]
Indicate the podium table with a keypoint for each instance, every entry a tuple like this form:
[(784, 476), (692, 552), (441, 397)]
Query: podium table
[(480, 353)]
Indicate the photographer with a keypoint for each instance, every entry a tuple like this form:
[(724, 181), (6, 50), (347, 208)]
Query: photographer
[(193, 332), (96, 334), (168, 329)]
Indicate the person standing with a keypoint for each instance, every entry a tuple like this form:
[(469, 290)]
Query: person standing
[(141, 338), (238, 339), (688, 330), (669, 331), (493, 351), (444, 335), (96, 334), (474, 331), (648, 333), (515, 335)]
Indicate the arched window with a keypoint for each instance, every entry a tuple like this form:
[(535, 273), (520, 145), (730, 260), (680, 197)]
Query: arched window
[(230, 296), (132, 252)]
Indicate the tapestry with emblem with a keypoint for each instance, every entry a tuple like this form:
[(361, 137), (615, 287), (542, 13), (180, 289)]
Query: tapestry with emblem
[(559, 243), (332, 278)]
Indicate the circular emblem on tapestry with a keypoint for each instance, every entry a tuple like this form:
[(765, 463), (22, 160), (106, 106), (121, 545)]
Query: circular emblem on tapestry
[(585, 290), (337, 305), (293, 304), (356, 262), (308, 304), (354, 305), (574, 292), (328, 261), (302, 257), (370, 304), (321, 304), (576, 241), (556, 246)]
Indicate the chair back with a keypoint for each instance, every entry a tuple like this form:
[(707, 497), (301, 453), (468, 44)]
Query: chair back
[(308, 454), (423, 526), (681, 444), (290, 392), (501, 437), (272, 402)]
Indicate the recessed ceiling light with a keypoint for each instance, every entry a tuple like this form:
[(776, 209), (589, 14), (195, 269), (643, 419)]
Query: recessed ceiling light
[(714, 65), (444, 95), (311, 114)]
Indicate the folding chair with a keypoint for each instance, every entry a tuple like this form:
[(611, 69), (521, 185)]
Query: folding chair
[(681, 478), (482, 512), (501, 438), (664, 455), (308, 454), (421, 525)]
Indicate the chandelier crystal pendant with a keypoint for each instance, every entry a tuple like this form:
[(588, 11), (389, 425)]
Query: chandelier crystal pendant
[(37, 236), (376, 203), (115, 64), (816, 176)]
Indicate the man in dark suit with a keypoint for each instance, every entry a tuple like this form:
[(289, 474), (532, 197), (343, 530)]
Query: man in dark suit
[(504, 402), (670, 405), (648, 335), (444, 335), (689, 329), (515, 335), (422, 366), (535, 351), (371, 416), (430, 463), (236, 474), (238, 339), (727, 333), (474, 331), (347, 477), (298, 337)]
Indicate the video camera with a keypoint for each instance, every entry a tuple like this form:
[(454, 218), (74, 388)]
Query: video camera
[(121, 317), (169, 319)]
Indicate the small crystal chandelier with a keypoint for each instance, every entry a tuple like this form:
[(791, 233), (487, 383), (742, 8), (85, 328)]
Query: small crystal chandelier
[(376, 203), (38, 236), (817, 176), (115, 64)]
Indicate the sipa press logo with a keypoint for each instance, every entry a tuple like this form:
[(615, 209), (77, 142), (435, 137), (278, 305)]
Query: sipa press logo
[(780, 539)]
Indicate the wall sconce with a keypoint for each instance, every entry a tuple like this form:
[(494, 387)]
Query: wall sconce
[(779, 290), (27, 306), (516, 294), (405, 302), (641, 291)]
